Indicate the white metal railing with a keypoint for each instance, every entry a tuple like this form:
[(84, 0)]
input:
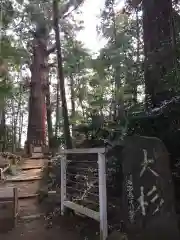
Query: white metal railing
[(100, 216)]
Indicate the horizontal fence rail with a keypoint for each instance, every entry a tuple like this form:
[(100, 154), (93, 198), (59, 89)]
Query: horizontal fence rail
[(82, 150), (83, 184)]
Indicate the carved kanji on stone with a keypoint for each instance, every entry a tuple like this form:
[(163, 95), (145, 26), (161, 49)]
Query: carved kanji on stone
[(148, 204)]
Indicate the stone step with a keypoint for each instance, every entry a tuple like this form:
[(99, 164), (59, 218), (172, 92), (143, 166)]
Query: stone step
[(34, 164), (30, 175), (25, 189), (28, 207), (27, 181)]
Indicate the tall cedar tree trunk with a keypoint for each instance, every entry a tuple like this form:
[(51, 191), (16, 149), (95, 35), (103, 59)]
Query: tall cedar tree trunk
[(159, 60), (36, 124), (61, 76)]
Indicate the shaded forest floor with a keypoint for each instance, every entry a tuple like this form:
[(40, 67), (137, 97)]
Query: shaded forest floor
[(36, 229), (64, 228), (45, 227)]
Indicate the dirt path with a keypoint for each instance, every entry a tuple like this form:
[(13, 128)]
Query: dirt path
[(37, 230), (27, 181)]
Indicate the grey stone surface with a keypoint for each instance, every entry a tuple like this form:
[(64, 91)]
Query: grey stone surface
[(148, 196)]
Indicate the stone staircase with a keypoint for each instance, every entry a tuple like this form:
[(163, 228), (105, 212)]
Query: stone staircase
[(27, 181)]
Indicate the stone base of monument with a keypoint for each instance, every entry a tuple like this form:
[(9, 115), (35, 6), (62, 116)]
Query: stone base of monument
[(37, 152), (8, 209), (157, 230), (117, 236)]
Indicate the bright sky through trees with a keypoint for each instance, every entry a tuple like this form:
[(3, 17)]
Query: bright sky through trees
[(90, 11)]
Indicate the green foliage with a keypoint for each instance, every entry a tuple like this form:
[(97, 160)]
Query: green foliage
[(11, 54), (101, 83), (7, 13), (5, 89)]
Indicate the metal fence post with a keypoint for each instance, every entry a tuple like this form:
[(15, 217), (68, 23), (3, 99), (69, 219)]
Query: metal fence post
[(63, 183), (102, 196)]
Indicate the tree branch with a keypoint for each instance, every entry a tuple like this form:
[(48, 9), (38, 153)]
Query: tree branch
[(50, 65), (51, 49), (65, 8), (135, 3)]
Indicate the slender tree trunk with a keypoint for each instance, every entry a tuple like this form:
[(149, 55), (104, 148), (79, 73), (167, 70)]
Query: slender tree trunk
[(61, 76), (3, 124), (21, 124), (1, 113), (49, 119), (72, 101), (13, 123), (57, 109), (17, 116), (83, 108), (138, 57), (119, 104)]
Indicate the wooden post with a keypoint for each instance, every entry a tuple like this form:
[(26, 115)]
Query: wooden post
[(15, 205), (1, 174), (63, 183), (102, 196), (8, 209)]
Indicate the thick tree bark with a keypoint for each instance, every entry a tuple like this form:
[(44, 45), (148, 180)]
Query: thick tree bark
[(36, 125), (61, 76)]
